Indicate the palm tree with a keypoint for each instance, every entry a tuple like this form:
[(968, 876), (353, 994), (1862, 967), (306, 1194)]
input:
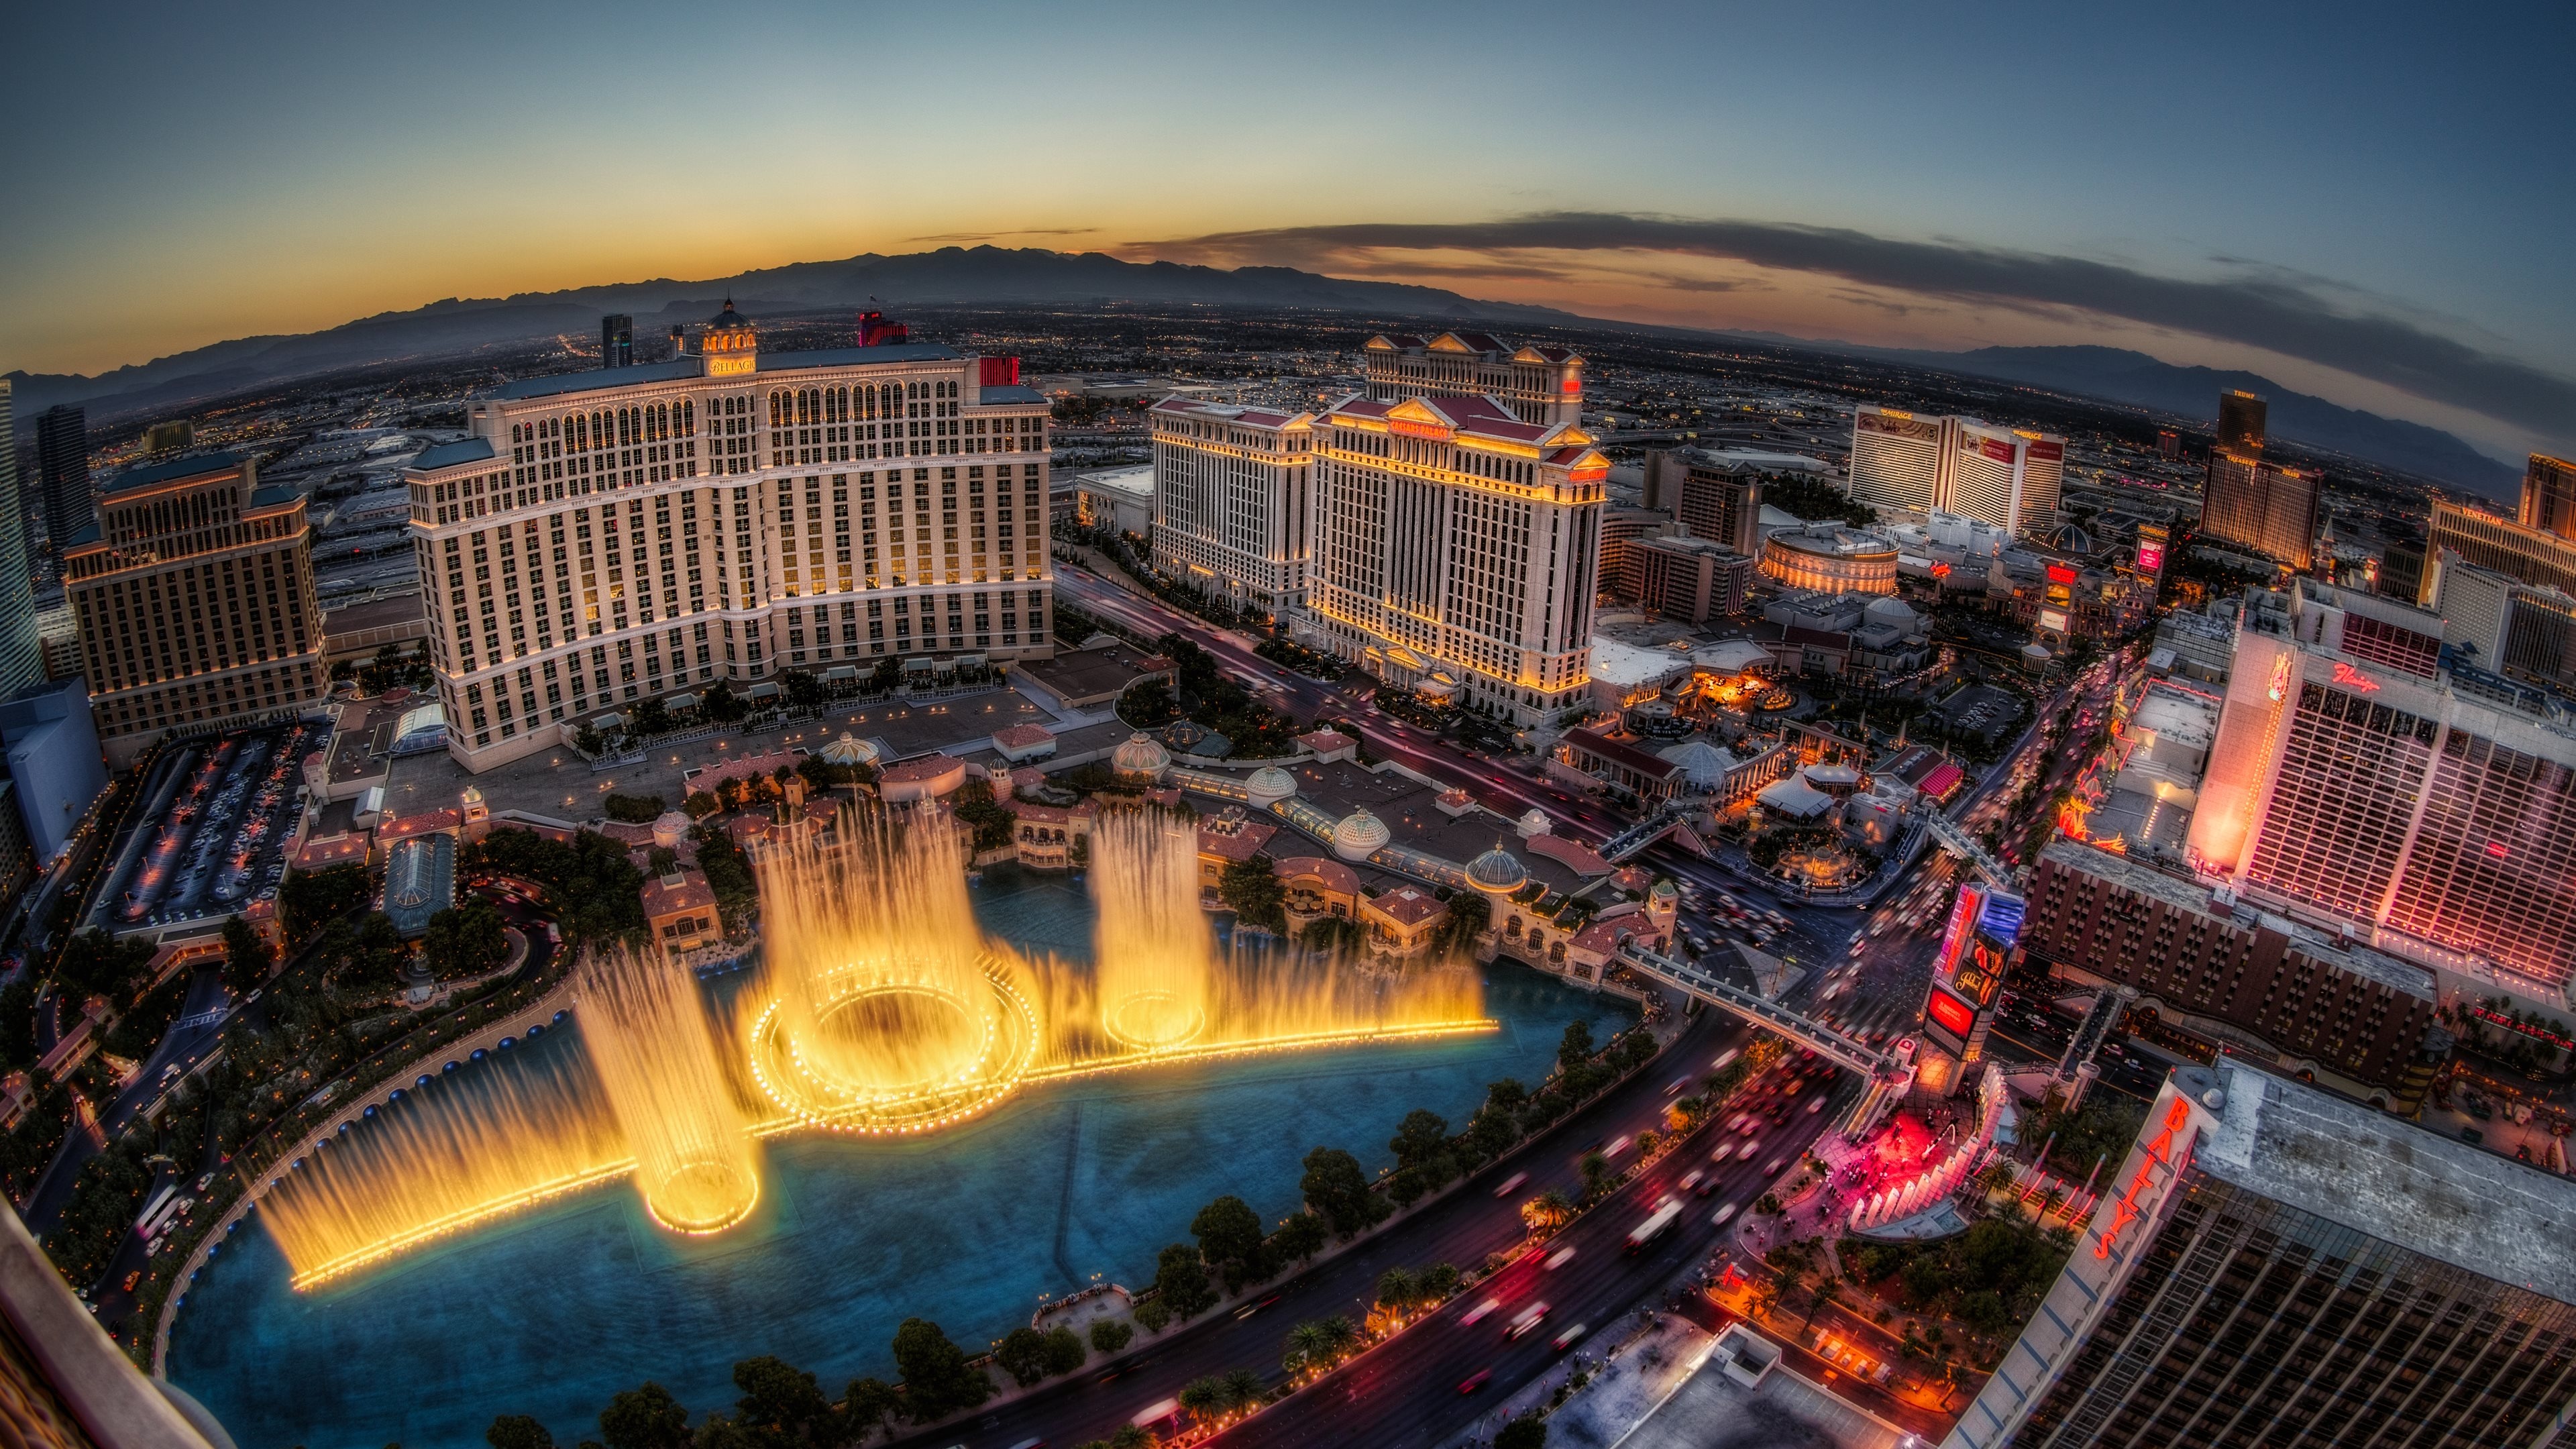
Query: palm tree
[(1596, 1174), (1203, 1397), (1243, 1388), (1547, 1210), (1340, 1332), (1308, 1343)]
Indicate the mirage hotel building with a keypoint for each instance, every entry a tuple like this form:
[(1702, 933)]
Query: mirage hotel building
[(721, 517)]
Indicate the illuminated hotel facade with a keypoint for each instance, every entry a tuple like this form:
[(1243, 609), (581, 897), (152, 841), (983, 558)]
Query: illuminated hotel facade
[(1454, 550), (648, 531), (194, 591), (2272, 1264), (1542, 385), (2255, 503), (2007, 478), (2533, 555), (1233, 501), (2360, 780)]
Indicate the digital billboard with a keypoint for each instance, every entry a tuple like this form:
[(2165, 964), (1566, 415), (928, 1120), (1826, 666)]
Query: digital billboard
[(1968, 973)]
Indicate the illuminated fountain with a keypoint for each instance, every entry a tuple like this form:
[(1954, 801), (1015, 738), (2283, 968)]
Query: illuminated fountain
[(881, 1008), (888, 1011), (1156, 956), (657, 1064), (431, 1167)]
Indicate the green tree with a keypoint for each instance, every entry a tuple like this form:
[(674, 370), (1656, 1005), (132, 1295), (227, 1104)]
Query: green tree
[(1574, 1049), (1153, 1315), (866, 1404), (1529, 1431), (1336, 1189), (467, 940), (1596, 1175), (781, 1405), (803, 690), (937, 1379), (1229, 1235), (1252, 888), (97, 964), (1421, 1136), (1300, 1237), (518, 1431), (644, 1418), (1203, 1398), (18, 1024), (1181, 1281), (635, 809), (305, 901), (1022, 1355), (994, 826), (1395, 1289), (1470, 913), (1243, 1388), (1064, 1350), (1331, 933), (1111, 1335), (1308, 1343), (246, 957)]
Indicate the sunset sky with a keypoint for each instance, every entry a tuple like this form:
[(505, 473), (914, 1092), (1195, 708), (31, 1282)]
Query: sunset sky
[(2371, 203)]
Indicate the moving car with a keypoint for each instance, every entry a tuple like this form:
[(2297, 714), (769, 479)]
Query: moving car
[(1723, 1214), (1513, 1181), (1474, 1381), (1477, 1314), (1655, 1225), (1568, 1338), (1527, 1319), (1559, 1258)]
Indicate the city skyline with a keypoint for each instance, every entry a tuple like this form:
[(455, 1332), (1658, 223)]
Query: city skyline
[(1904, 209)]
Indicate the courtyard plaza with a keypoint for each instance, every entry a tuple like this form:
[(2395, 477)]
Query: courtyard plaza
[(558, 784)]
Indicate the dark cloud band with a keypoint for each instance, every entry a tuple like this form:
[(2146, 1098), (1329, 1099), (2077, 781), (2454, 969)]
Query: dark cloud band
[(2258, 311)]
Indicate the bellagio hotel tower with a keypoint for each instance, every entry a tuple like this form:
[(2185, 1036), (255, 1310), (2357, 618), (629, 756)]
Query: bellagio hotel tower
[(649, 531)]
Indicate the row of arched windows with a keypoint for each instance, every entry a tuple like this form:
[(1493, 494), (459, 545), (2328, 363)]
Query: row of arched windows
[(613, 428), (793, 408)]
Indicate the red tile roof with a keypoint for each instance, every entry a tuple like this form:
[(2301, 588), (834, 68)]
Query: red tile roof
[(1325, 871), (1619, 752), (1407, 906), (691, 894), (403, 827), (923, 767), (1242, 842), (1581, 859), (1023, 736)]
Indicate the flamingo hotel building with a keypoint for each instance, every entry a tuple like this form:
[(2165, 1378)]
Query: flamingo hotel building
[(725, 516)]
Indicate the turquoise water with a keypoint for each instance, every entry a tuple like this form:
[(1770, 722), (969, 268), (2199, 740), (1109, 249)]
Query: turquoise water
[(551, 1312)]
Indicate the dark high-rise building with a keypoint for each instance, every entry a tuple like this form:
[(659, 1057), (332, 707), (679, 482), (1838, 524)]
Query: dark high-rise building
[(2275, 1265), (2168, 445), (617, 341), (22, 658), (2401, 569), (2255, 503), (2240, 422), (2549, 495), (62, 466), (1714, 494)]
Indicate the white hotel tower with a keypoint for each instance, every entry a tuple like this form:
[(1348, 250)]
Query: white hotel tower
[(1233, 501), (647, 531), (1454, 550)]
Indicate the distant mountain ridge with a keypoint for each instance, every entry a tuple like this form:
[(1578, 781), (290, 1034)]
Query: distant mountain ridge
[(989, 275), (2121, 375), (983, 275)]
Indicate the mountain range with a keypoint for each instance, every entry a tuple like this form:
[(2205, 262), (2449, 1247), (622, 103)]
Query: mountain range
[(989, 276)]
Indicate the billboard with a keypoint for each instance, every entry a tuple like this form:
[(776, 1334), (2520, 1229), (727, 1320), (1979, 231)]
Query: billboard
[(2053, 620), (1951, 1015), (1968, 973)]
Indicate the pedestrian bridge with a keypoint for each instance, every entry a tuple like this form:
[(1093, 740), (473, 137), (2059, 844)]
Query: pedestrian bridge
[(1888, 1075), (1967, 847)]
